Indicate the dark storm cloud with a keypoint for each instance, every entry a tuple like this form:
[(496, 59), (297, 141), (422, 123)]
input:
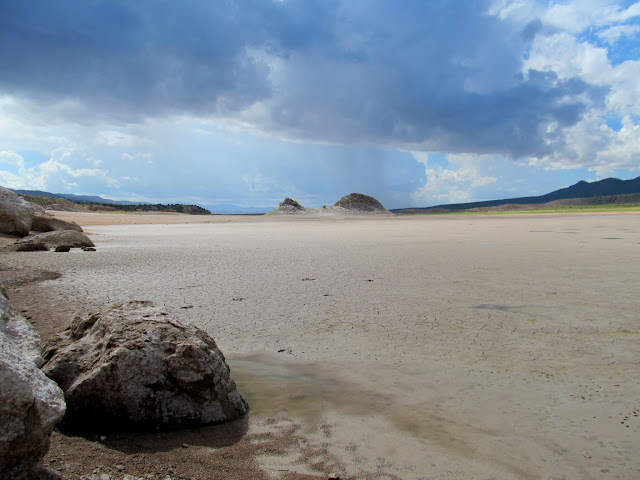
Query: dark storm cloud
[(441, 74)]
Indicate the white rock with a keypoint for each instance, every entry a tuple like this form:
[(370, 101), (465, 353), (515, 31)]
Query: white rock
[(30, 403)]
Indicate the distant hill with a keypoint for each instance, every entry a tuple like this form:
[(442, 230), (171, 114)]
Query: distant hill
[(70, 202), (609, 187), (77, 198)]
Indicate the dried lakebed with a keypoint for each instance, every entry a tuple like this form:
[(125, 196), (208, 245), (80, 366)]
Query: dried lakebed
[(458, 347)]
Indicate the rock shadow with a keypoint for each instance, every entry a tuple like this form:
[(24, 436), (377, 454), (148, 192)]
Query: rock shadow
[(135, 442)]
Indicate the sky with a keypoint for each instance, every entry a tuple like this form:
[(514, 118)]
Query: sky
[(235, 104)]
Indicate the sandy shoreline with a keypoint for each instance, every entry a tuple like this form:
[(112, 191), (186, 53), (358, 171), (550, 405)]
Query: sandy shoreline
[(162, 218), (410, 347)]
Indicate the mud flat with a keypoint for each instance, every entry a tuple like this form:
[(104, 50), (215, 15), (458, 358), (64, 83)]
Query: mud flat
[(408, 347)]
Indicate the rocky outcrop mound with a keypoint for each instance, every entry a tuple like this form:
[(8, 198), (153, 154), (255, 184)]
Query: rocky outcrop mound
[(16, 214), (132, 366), (358, 204), (48, 240), (30, 403), (287, 207)]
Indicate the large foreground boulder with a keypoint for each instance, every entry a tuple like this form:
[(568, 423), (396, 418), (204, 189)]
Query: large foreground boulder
[(16, 214), (132, 366), (30, 403), (48, 240)]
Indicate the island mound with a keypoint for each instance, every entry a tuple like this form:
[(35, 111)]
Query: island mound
[(287, 207), (349, 205), (360, 204)]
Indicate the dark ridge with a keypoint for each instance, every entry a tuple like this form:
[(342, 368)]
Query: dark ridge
[(59, 203), (603, 188)]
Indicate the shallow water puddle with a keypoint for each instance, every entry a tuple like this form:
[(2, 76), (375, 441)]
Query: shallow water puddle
[(303, 391), (331, 406), (308, 392)]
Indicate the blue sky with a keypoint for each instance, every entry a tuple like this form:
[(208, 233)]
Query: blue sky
[(244, 102)]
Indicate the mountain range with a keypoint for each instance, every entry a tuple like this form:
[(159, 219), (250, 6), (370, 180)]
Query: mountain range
[(602, 188), (78, 198)]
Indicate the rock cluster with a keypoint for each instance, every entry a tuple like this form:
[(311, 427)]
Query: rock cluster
[(19, 217), (132, 366), (60, 240), (30, 403)]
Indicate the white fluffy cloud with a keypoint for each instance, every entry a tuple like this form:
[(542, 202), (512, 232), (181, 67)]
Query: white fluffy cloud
[(568, 57), (11, 158), (57, 173), (593, 142), (137, 157), (594, 145), (451, 185), (114, 138), (612, 34), (578, 15)]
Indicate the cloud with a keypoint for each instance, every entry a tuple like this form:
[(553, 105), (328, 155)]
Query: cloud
[(569, 58), (456, 184), (257, 183), (57, 174), (612, 34), (594, 145), (144, 157), (11, 158), (113, 138), (576, 16), (433, 75)]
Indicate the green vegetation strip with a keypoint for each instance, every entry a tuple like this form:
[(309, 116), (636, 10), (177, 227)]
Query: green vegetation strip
[(631, 207)]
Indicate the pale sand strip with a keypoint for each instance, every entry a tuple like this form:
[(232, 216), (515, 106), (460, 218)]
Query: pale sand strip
[(162, 218), (430, 347)]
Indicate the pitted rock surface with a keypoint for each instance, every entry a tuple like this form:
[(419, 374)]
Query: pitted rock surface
[(133, 366)]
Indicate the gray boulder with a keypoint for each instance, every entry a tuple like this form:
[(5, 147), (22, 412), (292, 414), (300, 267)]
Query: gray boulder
[(132, 366), (43, 222), (37, 209), (16, 214), (48, 240), (30, 403)]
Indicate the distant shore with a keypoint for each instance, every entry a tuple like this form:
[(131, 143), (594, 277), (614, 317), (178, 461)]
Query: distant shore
[(162, 218)]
